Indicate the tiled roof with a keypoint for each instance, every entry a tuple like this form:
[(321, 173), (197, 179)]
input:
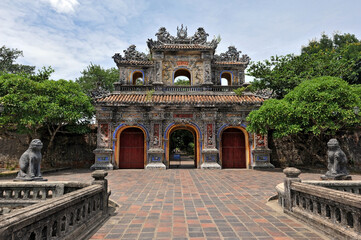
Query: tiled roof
[(116, 99), (134, 62), (183, 46)]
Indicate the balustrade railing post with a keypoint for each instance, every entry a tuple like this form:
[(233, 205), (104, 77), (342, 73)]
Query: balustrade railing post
[(59, 190), (356, 222), (333, 214), (323, 209), (99, 178), (291, 176), (343, 216), (314, 207), (307, 203)]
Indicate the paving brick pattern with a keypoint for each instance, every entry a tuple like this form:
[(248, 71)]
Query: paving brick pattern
[(195, 204)]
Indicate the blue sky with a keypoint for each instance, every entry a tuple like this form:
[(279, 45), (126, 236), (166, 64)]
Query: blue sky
[(69, 34)]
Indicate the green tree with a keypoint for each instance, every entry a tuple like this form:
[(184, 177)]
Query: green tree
[(320, 106), (340, 57), (43, 74), (182, 140), (327, 44), (32, 105), (95, 78), (280, 74), (7, 62)]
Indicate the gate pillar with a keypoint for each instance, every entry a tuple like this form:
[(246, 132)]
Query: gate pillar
[(210, 152), (261, 153), (103, 152), (156, 153), (155, 158)]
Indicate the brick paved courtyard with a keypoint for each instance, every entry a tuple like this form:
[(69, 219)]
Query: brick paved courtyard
[(195, 204)]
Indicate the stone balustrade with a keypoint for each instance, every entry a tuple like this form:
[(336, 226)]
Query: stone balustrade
[(38, 190), (339, 210), (71, 215), (346, 186), (333, 207), (130, 88), (20, 194), (144, 88)]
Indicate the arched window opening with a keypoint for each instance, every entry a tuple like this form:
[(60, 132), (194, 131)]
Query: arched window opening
[(138, 78), (226, 79), (182, 77)]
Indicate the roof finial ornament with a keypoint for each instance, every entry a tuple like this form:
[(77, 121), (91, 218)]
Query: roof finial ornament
[(200, 37), (130, 54), (232, 55), (165, 39), (164, 36), (182, 33)]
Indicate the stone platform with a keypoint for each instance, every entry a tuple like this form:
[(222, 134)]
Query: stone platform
[(195, 204)]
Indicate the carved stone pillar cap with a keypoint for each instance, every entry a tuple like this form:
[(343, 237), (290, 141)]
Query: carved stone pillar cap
[(291, 172), (103, 150), (155, 150), (99, 174), (210, 150)]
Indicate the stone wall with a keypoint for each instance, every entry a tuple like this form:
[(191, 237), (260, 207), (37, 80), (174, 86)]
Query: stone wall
[(311, 152), (69, 150)]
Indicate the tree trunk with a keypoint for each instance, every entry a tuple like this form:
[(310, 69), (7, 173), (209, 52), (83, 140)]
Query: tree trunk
[(52, 136)]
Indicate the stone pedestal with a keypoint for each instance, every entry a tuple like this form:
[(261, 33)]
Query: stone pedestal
[(155, 159), (336, 177), (38, 179), (210, 157), (261, 159), (103, 158)]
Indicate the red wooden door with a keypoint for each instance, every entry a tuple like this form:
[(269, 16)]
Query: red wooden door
[(233, 149), (131, 148)]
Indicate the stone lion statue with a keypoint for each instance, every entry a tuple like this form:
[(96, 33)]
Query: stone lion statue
[(337, 162), (30, 161)]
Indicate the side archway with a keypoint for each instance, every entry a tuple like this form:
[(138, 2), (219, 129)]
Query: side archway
[(234, 147), (130, 146)]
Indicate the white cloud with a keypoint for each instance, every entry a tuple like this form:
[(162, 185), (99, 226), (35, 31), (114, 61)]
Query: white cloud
[(64, 6), (78, 32), (68, 43)]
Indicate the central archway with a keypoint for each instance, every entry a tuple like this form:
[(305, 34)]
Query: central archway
[(195, 130), (182, 149)]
